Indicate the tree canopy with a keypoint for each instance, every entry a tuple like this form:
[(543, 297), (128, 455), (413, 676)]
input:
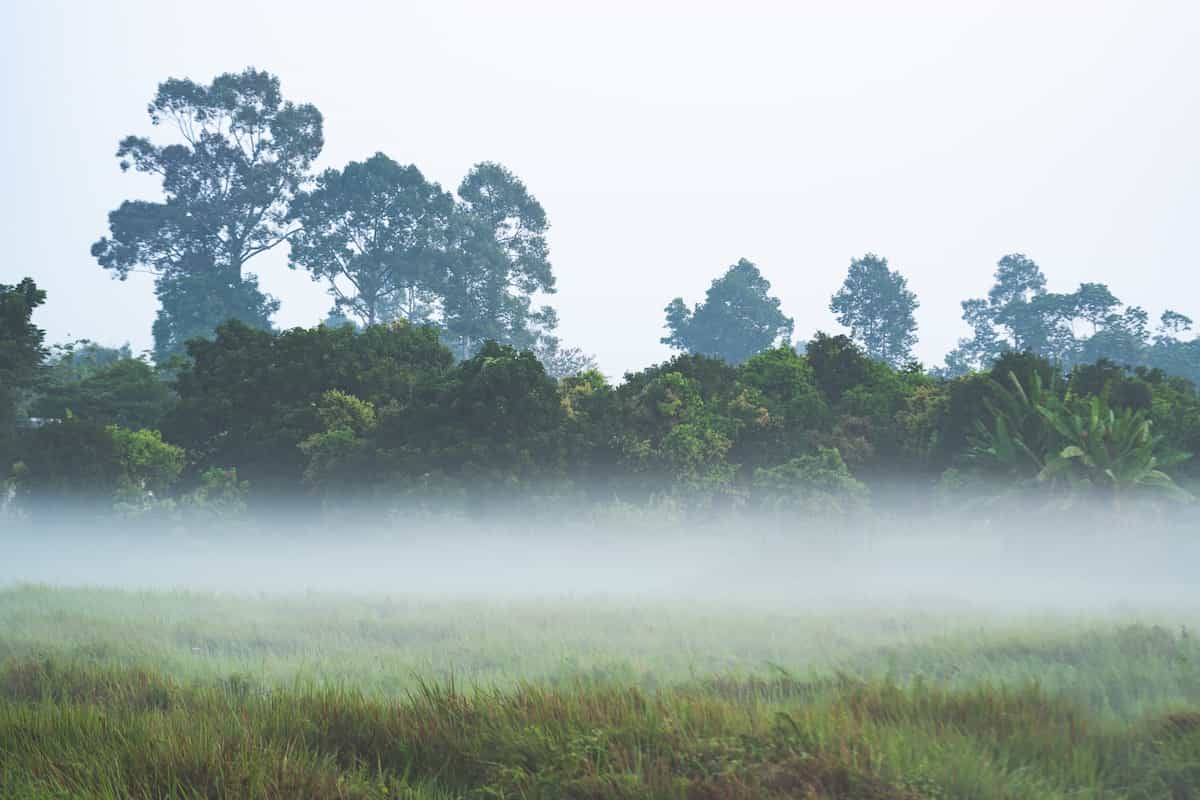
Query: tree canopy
[(248, 397), (877, 306), (500, 261), (21, 352), (1071, 328), (378, 234), (737, 319), (243, 153)]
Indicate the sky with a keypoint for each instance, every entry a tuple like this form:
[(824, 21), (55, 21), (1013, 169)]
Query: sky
[(666, 140)]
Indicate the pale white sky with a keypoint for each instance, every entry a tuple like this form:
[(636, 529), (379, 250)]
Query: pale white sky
[(666, 140)]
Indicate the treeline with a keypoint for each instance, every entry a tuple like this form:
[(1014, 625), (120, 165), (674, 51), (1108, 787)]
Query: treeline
[(387, 416), (388, 244), (437, 377)]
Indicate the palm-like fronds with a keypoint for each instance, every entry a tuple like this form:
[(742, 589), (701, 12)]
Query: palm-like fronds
[(1018, 439), (1109, 449), (1074, 443)]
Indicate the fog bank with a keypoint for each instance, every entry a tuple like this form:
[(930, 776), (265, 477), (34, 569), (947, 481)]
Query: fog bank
[(1004, 568)]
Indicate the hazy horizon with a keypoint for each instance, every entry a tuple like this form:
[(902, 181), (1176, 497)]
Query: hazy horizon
[(664, 143)]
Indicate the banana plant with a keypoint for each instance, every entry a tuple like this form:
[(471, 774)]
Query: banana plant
[(1019, 437), (1111, 450), (1076, 444)]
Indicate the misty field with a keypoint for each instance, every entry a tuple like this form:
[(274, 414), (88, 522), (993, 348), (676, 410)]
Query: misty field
[(107, 693)]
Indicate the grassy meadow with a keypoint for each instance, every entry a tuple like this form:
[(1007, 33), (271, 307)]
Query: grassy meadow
[(108, 693)]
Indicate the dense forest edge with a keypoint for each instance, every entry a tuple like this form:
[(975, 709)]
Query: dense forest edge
[(438, 382)]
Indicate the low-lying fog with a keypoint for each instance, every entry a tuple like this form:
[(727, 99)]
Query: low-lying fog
[(1106, 568)]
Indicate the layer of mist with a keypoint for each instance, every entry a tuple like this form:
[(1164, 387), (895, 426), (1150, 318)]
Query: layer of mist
[(933, 564)]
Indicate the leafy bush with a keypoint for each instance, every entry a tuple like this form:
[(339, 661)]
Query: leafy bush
[(123, 391), (79, 461), (818, 483), (220, 495), (340, 456)]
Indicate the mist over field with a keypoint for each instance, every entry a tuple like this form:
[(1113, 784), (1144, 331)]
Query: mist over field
[(930, 564), (743, 655)]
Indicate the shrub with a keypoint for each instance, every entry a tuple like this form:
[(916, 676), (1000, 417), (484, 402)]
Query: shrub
[(818, 483)]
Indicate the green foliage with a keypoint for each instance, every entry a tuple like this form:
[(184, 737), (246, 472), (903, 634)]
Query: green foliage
[(21, 355), (348, 413), (1019, 439), (499, 260), (1076, 443), (919, 423), (339, 457), (737, 319), (591, 432), (877, 306), (879, 424), (489, 425), (964, 410), (1175, 415), (249, 397), (343, 409), (377, 233), (779, 389), (838, 365), (673, 438), (220, 496), (1026, 366), (80, 359), (1112, 451), (562, 362), (69, 462), (1114, 384), (1172, 355), (1020, 315), (227, 185), (810, 484), (127, 392), (77, 461), (196, 298), (148, 464)]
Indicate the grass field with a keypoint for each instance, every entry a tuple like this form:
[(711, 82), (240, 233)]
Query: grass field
[(105, 693)]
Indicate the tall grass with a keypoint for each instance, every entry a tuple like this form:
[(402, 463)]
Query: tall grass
[(94, 732), (118, 695)]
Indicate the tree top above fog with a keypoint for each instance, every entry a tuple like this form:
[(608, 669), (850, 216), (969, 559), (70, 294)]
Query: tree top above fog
[(737, 319)]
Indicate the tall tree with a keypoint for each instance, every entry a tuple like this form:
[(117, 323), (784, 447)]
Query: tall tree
[(737, 319), (21, 354), (1123, 338), (377, 232), (877, 306), (500, 261), (1072, 328), (1009, 318), (197, 297), (1015, 303), (244, 153), (1172, 354), (1094, 304)]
